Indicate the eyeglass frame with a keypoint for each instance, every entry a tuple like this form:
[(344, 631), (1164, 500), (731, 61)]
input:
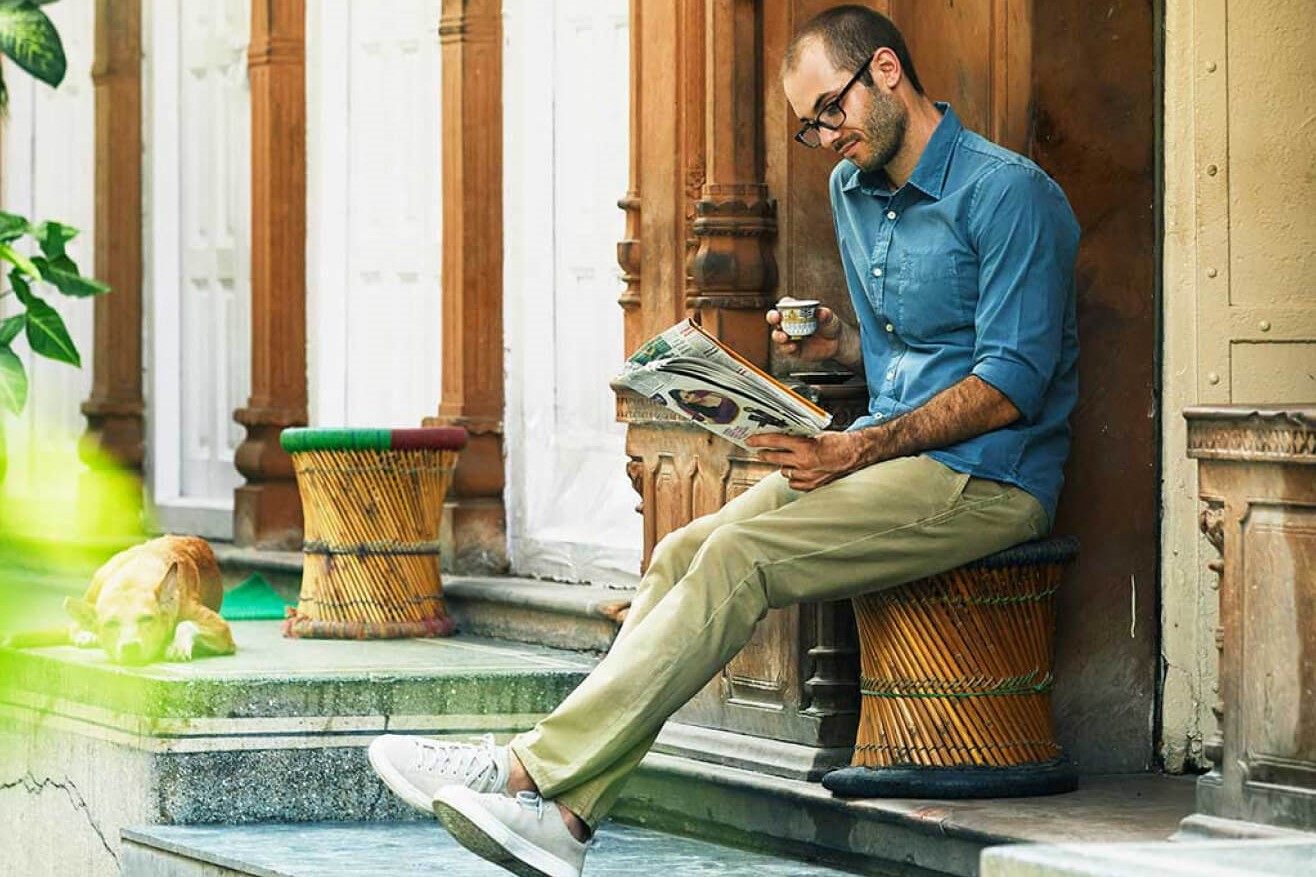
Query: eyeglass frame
[(817, 122)]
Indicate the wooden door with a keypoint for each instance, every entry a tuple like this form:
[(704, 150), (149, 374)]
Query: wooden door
[(198, 155)]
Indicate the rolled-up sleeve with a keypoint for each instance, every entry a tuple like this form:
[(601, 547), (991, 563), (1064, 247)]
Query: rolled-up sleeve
[(1027, 240)]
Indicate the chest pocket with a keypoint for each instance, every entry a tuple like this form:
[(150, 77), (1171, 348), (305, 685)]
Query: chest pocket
[(936, 295)]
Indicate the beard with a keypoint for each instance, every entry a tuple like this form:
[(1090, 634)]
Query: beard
[(883, 127)]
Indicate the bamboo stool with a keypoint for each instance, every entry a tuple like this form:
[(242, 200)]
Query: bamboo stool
[(372, 500), (956, 682)]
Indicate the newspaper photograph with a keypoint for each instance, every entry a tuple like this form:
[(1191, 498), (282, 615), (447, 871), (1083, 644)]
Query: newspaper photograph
[(692, 374)]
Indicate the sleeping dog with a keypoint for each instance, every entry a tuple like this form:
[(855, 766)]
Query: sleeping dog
[(158, 599)]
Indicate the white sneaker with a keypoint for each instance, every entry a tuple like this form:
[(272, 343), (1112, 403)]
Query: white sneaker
[(415, 768), (525, 834)]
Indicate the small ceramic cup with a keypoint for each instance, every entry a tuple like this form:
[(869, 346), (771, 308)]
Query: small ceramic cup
[(799, 317)]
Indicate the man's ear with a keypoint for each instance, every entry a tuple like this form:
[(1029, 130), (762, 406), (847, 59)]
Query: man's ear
[(81, 612), (166, 593)]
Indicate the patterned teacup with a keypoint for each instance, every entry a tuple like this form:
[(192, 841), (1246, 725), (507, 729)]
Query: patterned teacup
[(799, 317)]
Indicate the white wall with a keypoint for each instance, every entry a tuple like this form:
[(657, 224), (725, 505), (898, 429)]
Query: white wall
[(571, 509), (374, 205), (47, 173)]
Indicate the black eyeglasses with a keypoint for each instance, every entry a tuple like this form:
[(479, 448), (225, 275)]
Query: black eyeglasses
[(830, 116)]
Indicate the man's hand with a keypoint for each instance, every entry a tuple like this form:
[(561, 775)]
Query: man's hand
[(808, 463), (825, 343)]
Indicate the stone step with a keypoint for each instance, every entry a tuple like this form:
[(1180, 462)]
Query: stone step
[(416, 848), (274, 733), (554, 614), (725, 804)]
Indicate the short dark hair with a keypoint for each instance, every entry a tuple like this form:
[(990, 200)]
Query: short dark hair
[(850, 35)]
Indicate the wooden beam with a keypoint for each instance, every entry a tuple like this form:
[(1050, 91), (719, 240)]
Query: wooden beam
[(470, 32), (267, 510), (116, 430)]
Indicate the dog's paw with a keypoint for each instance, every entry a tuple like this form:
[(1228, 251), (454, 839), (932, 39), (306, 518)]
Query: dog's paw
[(184, 643), (85, 639)]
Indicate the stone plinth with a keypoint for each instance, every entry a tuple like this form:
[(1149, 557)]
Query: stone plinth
[(273, 734), (1257, 480)]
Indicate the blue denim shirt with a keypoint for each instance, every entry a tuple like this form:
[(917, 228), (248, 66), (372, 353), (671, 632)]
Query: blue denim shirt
[(967, 269)]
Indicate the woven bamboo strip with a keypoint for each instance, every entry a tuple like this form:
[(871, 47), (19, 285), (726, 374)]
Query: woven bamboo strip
[(997, 662), (941, 622), (989, 664), (908, 665), (358, 499), (959, 727), (945, 658)]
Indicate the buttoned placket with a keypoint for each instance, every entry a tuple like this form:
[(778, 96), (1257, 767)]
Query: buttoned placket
[(876, 282)]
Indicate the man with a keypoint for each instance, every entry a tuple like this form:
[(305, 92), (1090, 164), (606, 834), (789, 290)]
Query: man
[(959, 258)]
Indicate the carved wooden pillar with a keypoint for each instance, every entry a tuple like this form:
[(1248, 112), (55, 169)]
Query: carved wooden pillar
[(114, 411), (1257, 476), (267, 511), (471, 37), (733, 273)]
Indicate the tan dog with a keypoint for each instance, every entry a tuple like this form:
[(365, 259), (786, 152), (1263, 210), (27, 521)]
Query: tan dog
[(158, 598)]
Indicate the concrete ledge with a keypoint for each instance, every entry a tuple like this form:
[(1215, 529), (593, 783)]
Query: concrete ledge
[(553, 614), (738, 807), (1253, 858), (274, 733)]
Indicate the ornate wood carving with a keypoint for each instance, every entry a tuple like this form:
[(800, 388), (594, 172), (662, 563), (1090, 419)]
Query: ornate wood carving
[(267, 510), (114, 410), (471, 36), (733, 276), (1213, 526), (1257, 475)]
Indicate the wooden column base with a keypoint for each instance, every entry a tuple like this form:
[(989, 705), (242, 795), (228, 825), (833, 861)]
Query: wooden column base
[(267, 510), (473, 536), (110, 498), (473, 533)]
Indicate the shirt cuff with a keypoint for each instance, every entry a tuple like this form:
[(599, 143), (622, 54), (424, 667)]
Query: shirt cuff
[(1016, 381)]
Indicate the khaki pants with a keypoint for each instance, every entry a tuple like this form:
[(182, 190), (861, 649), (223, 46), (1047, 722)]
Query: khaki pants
[(710, 582)]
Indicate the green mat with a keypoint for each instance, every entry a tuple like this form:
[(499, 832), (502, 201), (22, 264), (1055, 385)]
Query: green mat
[(253, 600)]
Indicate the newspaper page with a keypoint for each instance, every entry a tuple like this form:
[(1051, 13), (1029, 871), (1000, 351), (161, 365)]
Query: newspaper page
[(692, 374)]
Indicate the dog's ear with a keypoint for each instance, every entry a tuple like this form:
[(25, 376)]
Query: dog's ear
[(81, 612), (166, 593)]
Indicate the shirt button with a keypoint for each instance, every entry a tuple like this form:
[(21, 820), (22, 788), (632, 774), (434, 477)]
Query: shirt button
[(877, 272), (890, 328), (891, 374), (891, 214)]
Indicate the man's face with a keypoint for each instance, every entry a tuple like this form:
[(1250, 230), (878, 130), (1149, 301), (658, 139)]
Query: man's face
[(875, 119)]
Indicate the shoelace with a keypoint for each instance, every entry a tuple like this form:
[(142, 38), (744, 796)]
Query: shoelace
[(531, 801), (534, 801), (471, 761)]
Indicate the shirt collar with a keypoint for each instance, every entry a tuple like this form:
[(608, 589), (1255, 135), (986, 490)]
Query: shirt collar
[(930, 173)]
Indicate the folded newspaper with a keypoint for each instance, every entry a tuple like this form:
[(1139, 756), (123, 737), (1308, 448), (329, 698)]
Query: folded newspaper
[(692, 374)]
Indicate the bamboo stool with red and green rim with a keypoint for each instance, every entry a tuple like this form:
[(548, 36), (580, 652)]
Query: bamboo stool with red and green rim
[(955, 682), (372, 500)]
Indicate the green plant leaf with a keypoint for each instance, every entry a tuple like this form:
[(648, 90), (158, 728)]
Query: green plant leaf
[(47, 335), (52, 236), (29, 39), (63, 272), (22, 288), (10, 328), (13, 381), (13, 226), (19, 261)]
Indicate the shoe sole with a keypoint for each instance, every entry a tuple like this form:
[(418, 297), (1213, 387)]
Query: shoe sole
[(399, 785), (490, 840)]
